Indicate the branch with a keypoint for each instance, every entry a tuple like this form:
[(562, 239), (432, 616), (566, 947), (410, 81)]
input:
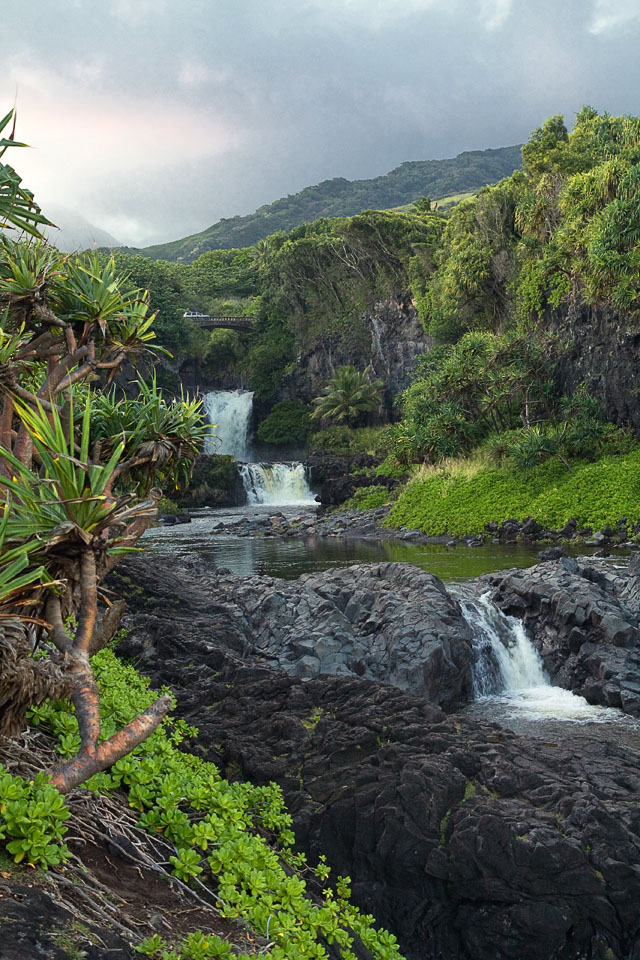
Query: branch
[(88, 604), (107, 626), (78, 374), (5, 428), (58, 635), (92, 759), (32, 399), (124, 467)]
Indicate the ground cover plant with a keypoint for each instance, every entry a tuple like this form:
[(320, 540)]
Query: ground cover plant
[(233, 840), (594, 494)]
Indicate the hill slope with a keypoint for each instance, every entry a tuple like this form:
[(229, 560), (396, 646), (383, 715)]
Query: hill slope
[(341, 198)]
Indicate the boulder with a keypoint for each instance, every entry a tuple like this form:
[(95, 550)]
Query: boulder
[(389, 622)]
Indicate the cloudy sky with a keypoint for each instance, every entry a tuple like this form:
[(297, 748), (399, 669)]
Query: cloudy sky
[(154, 118)]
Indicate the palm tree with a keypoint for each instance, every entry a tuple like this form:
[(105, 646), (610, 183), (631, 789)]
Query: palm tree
[(349, 394)]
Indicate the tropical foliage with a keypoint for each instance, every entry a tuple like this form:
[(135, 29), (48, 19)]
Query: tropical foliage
[(349, 395), (77, 476), (289, 422)]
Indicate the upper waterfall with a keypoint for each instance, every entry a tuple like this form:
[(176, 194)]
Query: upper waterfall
[(229, 413)]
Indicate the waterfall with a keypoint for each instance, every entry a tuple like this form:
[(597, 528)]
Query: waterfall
[(276, 483), (506, 659), (377, 338), (229, 413), (509, 674)]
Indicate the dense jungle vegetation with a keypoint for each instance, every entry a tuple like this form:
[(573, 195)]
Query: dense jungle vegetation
[(491, 278)]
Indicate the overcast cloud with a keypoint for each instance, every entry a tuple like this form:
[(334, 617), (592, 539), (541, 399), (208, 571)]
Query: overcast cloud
[(154, 118)]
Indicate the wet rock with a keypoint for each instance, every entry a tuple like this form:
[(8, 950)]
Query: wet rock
[(469, 842)]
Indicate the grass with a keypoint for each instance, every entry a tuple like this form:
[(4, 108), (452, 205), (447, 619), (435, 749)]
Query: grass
[(461, 497), (444, 203)]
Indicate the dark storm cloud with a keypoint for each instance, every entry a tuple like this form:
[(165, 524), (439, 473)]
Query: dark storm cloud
[(156, 117)]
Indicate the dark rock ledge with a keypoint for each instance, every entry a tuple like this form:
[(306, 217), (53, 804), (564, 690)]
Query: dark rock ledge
[(465, 839)]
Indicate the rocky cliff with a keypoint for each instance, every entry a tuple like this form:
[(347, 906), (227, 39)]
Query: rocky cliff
[(389, 340), (602, 349)]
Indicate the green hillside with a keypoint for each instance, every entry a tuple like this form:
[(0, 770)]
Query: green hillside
[(342, 198)]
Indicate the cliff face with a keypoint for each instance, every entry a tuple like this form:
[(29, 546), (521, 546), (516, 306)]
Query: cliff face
[(391, 339), (603, 350)]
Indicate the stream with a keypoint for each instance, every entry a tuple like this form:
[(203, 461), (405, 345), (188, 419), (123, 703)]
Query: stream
[(510, 683)]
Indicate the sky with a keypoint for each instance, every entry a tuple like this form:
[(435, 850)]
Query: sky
[(153, 119)]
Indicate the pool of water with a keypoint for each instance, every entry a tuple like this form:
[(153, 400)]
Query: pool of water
[(554, 714), (540, 710), (290, 557)]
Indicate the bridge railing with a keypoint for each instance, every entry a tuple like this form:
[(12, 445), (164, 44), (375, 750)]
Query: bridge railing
[(242, 323)]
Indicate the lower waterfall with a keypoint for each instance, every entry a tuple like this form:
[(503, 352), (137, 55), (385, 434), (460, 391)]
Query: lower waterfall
[(506, 658), (276, 484), (509, 673)]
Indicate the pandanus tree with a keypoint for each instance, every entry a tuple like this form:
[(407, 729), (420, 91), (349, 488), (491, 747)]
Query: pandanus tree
[(78, 466)]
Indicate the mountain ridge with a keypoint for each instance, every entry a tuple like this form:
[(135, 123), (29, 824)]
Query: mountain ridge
[(339, 197)]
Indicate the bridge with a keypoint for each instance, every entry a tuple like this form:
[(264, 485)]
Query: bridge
[(244, 324)]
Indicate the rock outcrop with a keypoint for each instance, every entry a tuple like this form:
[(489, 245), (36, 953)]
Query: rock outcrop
[(388, 339), (603, 352), (389, 622), (468, 841)]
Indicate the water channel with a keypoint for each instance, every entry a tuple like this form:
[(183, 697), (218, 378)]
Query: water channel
[(511, 686)]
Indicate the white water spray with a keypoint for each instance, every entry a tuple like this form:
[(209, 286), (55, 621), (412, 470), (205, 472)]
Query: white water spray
[(229, 413), (276, 484), (507, 660), (509, 670)]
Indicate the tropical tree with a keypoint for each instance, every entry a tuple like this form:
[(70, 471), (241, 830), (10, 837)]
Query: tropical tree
[(18, 208), (77, 472), (349, 394)]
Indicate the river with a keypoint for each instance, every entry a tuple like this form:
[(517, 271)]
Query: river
[(511, 686)]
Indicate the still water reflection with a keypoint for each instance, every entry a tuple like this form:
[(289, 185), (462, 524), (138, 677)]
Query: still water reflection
[(290, 557)]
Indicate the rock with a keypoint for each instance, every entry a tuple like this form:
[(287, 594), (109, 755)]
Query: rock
[(389, 622), (469, 842), (390, 340), (552, 553)]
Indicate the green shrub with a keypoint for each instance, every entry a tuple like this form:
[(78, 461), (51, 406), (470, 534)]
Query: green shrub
[(350, 441), (594, 494), (367, 498), (391, 467), (234, 837), (288, 422), (32, 815)]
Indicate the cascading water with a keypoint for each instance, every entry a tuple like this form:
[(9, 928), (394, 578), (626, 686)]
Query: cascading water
[(509, 673), (506, 658), (276, 484), (229, 413)]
